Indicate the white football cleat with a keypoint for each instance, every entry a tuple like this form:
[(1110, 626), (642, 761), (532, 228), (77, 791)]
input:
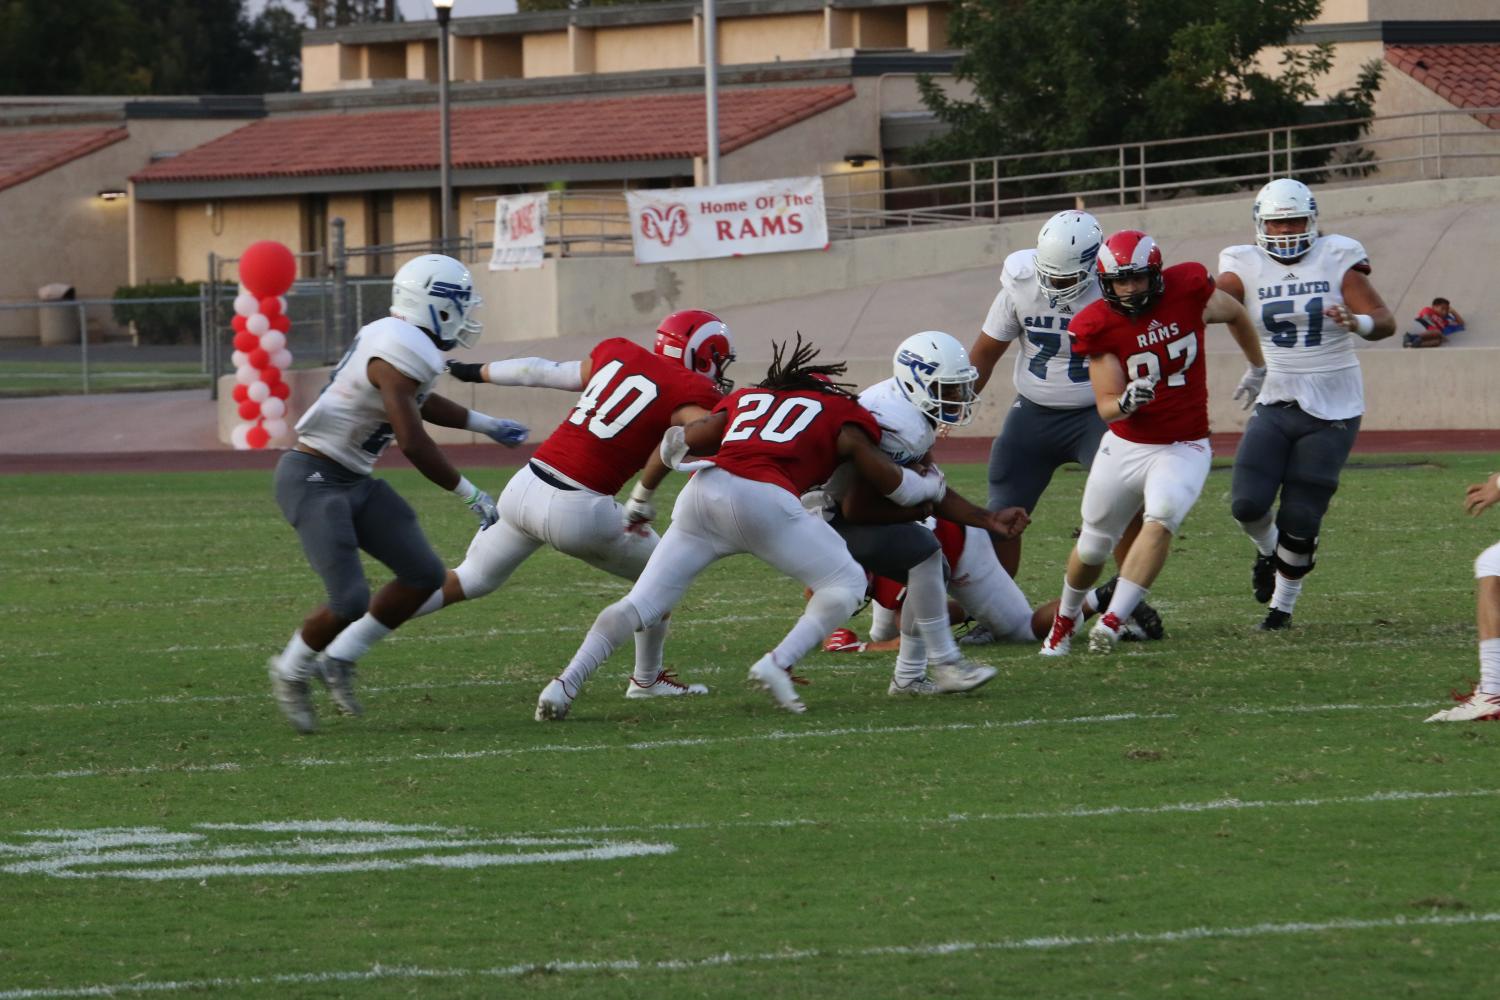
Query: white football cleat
[(962, 674), (553, 704), (1060, 639), (338, 677), (1476, 707), (666, 685), (922, 685), (1105, 635), (294, 698), (979, 635), (778, 682)]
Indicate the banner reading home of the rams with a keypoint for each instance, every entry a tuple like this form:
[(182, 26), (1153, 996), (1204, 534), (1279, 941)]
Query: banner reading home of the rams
[(728, 220)]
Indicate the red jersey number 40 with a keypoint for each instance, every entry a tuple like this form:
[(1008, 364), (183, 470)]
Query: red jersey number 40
[(788, 420), (619, 408)]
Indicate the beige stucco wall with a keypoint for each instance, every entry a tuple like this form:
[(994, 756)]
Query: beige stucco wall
[(646, 46), (320, 67), (802, 149), (383, 62), (416, 216), (1348, 57), (767, 39), (927, 27), (546, 54), (1461, 134), (880, 28), (227, 227)]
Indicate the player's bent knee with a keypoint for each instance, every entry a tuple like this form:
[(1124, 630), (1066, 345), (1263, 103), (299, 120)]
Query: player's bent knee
[(1094, 547), (349, 603), (1294, 555), (620, 619), (1247, 511), (1488, 563)]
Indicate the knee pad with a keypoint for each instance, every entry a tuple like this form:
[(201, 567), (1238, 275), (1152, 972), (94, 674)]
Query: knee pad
[(835, 601), (1247, 511), (350, 602), (620, 619), (475, 583), (1294, 555), (1302, 509), (1488, 563), (1094, 548)]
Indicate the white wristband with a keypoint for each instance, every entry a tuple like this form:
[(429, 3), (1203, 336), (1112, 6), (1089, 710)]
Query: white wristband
[(1364, 325), (916, 489), (465, 490), (640, 494)]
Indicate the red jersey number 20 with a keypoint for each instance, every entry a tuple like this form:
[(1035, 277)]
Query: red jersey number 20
[(788, 420), (610, 417)]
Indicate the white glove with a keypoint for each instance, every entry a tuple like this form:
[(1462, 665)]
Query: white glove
[(1137, 394), (1249, 386), (674, 446), (483, 506), (639, 510)]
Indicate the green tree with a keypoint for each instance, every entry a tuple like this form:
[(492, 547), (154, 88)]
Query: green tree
[(1060, 74)]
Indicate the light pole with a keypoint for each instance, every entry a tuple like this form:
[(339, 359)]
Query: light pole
[(711, 89), (445, 182)]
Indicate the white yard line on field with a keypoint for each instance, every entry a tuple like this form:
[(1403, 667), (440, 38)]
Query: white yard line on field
[(936, 949)]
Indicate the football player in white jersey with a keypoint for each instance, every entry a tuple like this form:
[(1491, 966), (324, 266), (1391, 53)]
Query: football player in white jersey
[(381, 391), (1309, 295), (932, 386), (1053, 420), (1483, 703)]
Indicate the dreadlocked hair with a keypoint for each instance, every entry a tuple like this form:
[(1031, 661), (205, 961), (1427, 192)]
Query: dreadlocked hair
[(795, 372)]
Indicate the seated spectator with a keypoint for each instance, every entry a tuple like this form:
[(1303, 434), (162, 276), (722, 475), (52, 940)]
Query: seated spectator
[(1433, 324)]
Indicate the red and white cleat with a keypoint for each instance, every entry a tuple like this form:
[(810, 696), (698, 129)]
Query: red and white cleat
[(1060, 639), (666, 685), (1474, 707), (1105, 635)]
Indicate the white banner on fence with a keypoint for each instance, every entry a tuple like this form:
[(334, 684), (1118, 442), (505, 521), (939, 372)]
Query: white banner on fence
[(728, 220), (520, 232)]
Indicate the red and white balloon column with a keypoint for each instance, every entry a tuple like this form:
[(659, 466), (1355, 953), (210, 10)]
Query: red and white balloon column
[(267, 270)]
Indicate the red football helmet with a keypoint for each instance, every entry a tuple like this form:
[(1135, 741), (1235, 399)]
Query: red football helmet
[(1125, 254), (701, 341)]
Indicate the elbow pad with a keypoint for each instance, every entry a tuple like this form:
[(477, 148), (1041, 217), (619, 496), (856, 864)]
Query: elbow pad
[(538, 372), (916, 489)]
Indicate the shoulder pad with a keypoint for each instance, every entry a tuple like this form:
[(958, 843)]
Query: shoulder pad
[(1019, 266), (1243, 260), (1345, 253)]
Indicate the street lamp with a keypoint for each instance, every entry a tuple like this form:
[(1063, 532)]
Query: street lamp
[(445, 183)]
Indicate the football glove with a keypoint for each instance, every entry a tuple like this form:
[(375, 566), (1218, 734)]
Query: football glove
[(674, 446), (499, 430), (1137, 394), (483, 506), (639, 510), (843, 640), (1250, 384), (464, 371)]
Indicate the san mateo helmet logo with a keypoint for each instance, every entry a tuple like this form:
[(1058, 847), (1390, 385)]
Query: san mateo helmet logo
[(457, 294), (920, 366)]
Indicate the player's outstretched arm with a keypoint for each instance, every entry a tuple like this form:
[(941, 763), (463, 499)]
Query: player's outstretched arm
[(1225, 308), (1363, 311), (1008, 522), (902, 486), (984, 355), (398, 393), (444, 412), (571, 376)]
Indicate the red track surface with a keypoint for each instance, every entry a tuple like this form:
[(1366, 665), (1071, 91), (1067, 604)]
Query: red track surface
[(966, 449)]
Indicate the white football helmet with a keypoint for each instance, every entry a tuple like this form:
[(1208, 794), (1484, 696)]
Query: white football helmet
[(436, 293), (1285, 198), (933, 372), (1065, 252)]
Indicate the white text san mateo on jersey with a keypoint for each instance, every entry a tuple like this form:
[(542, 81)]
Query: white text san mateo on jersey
[(1158, 332)]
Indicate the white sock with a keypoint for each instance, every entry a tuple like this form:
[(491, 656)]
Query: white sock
[(1262, 533), (434, 602), (609, 632), (295, 661), (911, 659), (1489, 666), (825, 611), (884, 623), (1127, 596), (1285, 598), (1071, 605), (927, 596), (356, 640), (648, 647)]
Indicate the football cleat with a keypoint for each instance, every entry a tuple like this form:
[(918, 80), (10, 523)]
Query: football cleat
[(1105, 634), (1475, 707), (338, 677), (979, 635), (553, 703), (962, 674), (778, 683), (1060, 639), (922, 685), (843, 640), (1144, 625), (1276, 620), (666, 685), (1263, 578), (294, 698)]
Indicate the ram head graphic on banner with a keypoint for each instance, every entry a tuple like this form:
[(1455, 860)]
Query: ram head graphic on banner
[(728, 220)]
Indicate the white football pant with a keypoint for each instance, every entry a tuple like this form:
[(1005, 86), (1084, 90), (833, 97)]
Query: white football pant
[(1167, 478)]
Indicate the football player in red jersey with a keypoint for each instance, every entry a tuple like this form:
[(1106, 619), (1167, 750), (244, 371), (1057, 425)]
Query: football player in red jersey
[(770, 444), (1144, 342), (565, 496)]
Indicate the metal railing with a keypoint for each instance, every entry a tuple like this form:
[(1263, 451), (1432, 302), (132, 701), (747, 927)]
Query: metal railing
[(986, 189)]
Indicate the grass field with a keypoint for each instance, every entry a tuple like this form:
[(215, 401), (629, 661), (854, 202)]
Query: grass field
[(1224, 813), (52, 378)]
